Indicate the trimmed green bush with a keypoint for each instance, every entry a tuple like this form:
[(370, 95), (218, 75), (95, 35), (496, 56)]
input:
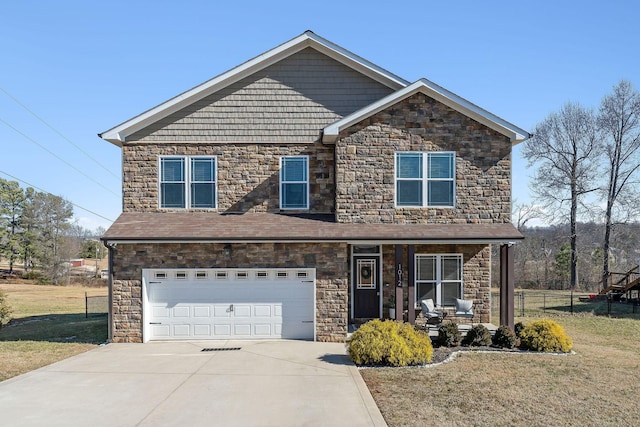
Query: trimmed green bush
[(518, 327), (449, 335), (389, 343), (545, 335), (5, 309), (505, 338), (477, 336)]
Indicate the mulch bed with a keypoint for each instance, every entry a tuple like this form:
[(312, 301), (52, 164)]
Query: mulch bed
[(440, 354)]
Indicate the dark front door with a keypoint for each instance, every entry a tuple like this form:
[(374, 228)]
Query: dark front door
[(366, 287)]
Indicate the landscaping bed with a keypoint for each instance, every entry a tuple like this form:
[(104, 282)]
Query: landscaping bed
[(501, 388)]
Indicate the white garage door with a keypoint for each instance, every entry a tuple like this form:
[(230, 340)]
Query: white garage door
[(201, 304)]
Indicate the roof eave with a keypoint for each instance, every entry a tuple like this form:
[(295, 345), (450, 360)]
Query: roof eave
[(118, 134), (450, 99), (360, 241)]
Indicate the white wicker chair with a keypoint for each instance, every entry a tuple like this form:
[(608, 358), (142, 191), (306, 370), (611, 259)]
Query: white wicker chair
[(464, 308), (432, 316)]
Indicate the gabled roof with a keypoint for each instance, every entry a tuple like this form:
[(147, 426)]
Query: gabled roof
[(118, 134), (207, 227), (450, 99)]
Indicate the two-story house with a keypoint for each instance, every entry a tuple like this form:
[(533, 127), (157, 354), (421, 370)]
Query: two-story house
[(300, 190)]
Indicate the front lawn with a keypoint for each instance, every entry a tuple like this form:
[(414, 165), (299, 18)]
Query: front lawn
[(596, 386), (48, 325)]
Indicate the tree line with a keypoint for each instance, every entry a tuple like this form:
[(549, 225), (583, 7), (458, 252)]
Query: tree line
[(37, 232), (543, 259), (588, 164)]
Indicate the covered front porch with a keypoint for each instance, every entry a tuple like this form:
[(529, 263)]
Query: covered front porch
[(391, 280)]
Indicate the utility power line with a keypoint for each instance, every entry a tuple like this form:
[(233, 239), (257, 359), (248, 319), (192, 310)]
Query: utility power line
[(44, 191), (17, 101), (28, 138)]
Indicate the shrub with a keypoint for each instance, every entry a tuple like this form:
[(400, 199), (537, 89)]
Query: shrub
[(477, 336), (518, 327), (505, 338), (5, 309), (449, 335), (545, 335), (389, 343), (32, 275)]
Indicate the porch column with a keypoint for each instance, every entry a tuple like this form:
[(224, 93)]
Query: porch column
[(411, 313), (506, 285), (398, 288)]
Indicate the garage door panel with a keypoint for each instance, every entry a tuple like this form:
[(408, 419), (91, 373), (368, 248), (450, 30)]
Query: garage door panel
[(201, 331), (159, 312), (181, 312), (263, 329), (230, 308), (181, 330), (242, 330), (241, 310), (221, 311), (262, 310), (161, 331), (277, 310), (221, 330), (204, 311)]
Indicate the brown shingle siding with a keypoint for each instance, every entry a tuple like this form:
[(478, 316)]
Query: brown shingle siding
[(277, 104)]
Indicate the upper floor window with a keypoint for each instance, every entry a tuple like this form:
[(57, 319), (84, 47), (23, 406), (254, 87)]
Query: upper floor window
[(188, 182), (439, 277), (425, 179), (294, 182)]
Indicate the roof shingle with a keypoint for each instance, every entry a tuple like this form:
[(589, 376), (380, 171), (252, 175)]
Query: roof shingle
[(263, 227)]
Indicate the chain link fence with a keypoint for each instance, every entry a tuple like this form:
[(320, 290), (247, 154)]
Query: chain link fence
[(536, 304), (96, 305)]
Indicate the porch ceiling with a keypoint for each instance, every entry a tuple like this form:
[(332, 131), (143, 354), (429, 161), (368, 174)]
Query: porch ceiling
[(268, 227)]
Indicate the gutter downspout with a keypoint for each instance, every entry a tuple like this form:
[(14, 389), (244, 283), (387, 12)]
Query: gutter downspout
[(110, 247)]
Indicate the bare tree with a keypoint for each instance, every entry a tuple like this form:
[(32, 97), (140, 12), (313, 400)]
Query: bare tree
[(565, 147), (619, 122), (523, 213)]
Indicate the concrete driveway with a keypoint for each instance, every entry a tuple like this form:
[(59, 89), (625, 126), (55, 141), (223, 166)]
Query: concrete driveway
[(263, 383)]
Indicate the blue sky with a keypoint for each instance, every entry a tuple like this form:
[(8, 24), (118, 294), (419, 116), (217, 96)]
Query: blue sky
[(84, 67)]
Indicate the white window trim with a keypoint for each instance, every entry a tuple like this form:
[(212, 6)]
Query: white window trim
[(438, 299), (294, 182), (425, 179), (187, 181)]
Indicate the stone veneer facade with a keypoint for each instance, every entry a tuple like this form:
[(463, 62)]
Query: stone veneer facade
[(329, 259), (476, 279), (247, 174), (353, 179), (365, 180)]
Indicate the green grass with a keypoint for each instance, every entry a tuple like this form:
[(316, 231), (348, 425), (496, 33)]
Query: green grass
[(48, 325), (595, 387), (57, 328), (536, 303)]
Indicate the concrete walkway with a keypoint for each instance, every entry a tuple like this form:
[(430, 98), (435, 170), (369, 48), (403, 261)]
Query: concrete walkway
[(264, 383)]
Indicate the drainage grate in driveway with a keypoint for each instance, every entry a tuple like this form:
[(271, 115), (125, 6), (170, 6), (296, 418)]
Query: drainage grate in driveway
[(221, 348)]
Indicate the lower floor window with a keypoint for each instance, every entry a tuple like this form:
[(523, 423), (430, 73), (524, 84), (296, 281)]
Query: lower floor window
[(439, 277)]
